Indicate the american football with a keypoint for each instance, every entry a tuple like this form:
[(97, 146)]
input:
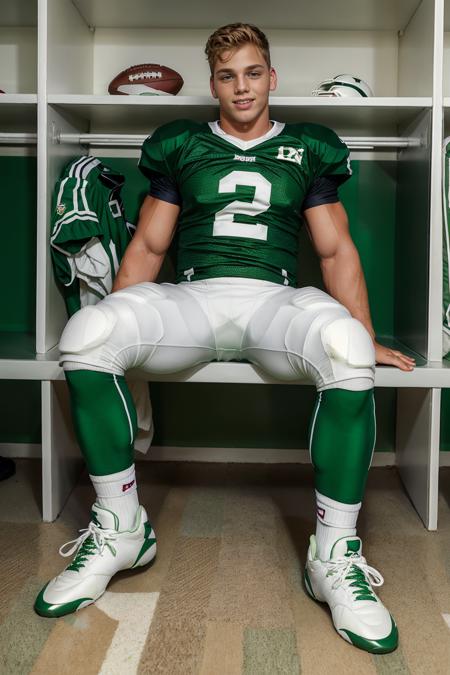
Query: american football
[(146, 79)]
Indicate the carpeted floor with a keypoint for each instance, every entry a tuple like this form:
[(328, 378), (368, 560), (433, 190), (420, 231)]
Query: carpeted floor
[(225, 595)]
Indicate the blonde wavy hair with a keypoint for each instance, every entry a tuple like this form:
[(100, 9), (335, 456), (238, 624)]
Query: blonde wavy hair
[(233, 36)]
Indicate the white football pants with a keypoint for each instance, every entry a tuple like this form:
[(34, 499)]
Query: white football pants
[(290, 333)]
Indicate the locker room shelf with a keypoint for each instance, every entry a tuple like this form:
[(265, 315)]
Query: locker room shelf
[(379, 114), (319, 15), (18, 99), (46, 367)]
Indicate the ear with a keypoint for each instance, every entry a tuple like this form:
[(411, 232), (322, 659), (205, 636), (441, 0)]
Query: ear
[(211, 86), (273, 79)]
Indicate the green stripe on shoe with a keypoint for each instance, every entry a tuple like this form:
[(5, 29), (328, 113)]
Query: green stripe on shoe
[(308, 585), (44, 608), (383, 646), (148, 542)]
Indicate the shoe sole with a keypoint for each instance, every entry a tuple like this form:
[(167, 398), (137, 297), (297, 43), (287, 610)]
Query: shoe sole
[(42, 608)]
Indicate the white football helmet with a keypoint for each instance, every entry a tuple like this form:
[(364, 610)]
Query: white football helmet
[(343, 86)]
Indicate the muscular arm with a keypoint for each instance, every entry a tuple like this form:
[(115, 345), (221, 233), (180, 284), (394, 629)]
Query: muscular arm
[(146, 251), (342, 272)]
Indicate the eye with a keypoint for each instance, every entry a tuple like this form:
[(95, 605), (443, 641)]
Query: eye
[(225, 78), (255, 73)]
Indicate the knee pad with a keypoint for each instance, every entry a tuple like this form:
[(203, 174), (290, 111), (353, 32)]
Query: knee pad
[(88, 328), (346, 340)]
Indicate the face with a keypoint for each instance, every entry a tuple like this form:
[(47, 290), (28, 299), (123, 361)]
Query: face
[(242, 84)]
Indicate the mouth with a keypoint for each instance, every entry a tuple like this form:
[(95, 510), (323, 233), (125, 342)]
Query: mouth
[(243, 103)]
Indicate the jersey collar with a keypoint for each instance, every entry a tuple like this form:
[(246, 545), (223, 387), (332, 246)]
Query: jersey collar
[(277, 128)]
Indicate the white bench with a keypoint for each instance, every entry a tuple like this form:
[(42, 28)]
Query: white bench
[(418, 425)]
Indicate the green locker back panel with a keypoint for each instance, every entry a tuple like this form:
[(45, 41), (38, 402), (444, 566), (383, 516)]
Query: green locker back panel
[(412, 242), (18, 251), (248, 415), (20, 418), (445, 420)]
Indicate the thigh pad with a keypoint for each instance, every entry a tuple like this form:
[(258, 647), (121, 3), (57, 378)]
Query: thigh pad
[(88, 328), (347, 340)]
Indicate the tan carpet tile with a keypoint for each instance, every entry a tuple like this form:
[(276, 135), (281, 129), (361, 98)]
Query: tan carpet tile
[(321, 650), (223, 653), (250, 586), (175, 642), (77, 644)]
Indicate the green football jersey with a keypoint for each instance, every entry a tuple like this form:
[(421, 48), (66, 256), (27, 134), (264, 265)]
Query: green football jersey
[(242, 200)]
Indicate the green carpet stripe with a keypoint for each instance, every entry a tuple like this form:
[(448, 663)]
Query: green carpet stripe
[(23, 632), (203, 515), (391, 664), (270, 651)]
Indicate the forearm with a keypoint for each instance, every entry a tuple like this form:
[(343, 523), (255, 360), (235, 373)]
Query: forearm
[(138, 264), (146, 251), (344, 280)]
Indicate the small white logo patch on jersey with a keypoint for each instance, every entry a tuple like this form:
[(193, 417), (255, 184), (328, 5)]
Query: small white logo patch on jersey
[(290, 154), (114, 208), (243, 158), (60, 209)]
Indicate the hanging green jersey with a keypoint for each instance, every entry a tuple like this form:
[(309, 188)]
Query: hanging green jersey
[(89, 231), (242, 200)]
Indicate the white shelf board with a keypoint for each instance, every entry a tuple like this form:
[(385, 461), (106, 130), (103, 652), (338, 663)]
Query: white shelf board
[(383, 115), (321, 14), (46, 367), (388, 102), (18, 13), (18, 99)]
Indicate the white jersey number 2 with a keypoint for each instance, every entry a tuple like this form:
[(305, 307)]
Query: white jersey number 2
[(224, 223)]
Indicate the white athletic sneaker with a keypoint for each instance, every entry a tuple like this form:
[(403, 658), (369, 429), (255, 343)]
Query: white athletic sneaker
[(101, 551), (345, 583)]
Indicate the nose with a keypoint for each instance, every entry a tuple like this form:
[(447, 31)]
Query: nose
[(240, 84)]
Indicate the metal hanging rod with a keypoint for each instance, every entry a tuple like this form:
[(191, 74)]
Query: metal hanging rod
[(18, 139), (135, 141), (130, 140)]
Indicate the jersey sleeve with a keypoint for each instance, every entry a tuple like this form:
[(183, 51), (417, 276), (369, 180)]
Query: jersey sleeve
[(74, 219), (324, 190), (160, 151), (164, 188), (331, 157)]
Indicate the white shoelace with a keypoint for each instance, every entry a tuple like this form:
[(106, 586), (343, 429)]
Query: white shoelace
[(100, 538), (343, 567)]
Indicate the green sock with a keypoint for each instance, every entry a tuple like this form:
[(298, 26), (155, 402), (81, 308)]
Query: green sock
[(342, 438), (104, 418)]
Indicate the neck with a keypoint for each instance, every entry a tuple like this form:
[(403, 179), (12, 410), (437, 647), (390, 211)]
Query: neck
[(247, 131)]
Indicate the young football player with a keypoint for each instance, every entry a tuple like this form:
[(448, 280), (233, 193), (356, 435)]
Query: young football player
[(234, 192)]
